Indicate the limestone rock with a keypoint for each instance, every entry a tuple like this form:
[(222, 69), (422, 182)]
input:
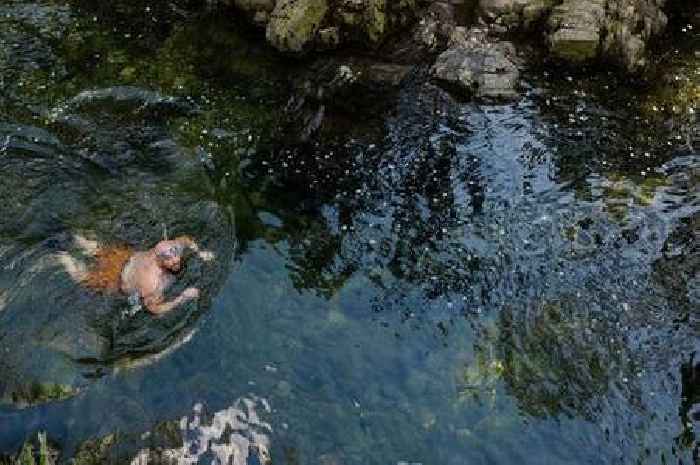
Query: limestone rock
[(477, 66), (294, 23), (300, 25), (515, 14), (630, 24), (576, 27), (617, 30)]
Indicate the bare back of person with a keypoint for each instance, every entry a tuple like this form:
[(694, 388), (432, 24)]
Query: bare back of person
[(145, 274)]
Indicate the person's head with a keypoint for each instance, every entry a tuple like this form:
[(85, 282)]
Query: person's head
[(169, 255)]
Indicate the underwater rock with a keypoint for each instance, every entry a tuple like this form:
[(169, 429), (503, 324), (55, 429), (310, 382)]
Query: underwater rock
[(340, 84), (236, 435), (35, 450), (477, 66), (56, 337)]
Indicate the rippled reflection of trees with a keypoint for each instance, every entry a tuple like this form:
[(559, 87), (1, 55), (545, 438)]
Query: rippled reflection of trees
[(565, 245)]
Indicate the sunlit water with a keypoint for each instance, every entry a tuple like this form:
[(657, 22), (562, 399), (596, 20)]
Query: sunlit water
[(445, 283)]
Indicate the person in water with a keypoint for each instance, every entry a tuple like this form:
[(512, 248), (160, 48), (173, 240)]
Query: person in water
[(145, 274)]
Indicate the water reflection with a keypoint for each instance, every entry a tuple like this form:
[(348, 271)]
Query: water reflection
[(235, 436)]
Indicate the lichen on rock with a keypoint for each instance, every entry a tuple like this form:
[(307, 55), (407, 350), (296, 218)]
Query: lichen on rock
[(294, 23), (576, 27), (478, 66)]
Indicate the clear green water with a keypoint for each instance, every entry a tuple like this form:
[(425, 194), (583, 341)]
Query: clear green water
[(436, 283)]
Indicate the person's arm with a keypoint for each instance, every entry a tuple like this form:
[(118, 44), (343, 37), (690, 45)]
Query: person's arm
[(156, 305), (187, 241)]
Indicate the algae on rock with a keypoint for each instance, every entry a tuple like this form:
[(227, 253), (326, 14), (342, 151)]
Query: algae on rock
[(294, 23)]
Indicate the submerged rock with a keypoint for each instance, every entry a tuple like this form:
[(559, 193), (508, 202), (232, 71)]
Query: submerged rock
[(237, 435), (477, 66), (344, 85)]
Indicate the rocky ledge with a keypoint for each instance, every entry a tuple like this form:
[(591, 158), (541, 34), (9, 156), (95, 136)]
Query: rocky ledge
[(575, 30), (478, 66)]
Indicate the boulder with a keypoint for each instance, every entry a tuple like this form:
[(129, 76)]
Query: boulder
[(516, 14), (477, 66), (300, 25), (630, 24), (616, 30), (576, 29), (294, 24)]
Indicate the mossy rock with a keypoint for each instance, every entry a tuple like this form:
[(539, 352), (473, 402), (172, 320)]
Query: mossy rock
[(294, 24), (39, 393)]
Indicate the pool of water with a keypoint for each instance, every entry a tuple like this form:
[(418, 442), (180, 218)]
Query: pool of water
[(443, 282)]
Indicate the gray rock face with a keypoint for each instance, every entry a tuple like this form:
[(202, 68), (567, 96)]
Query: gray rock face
[(300, 25), (614, 29), (576, 29), (630, 24), (582, 30), (514, 13), (294, 24), (477, 66)]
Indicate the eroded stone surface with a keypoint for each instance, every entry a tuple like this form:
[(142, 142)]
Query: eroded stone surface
[(478, 66)]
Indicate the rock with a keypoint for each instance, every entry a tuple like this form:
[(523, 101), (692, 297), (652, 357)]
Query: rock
[(630, 24), (301, 25), (576, 27), (258, 11), (436, 26), (616, 30), (516, 14), (477, 66), (294, 23)]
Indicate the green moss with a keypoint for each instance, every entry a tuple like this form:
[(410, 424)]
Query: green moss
[(294, 23), (39, 393), (27, 454), (95, 451), (575, 50), (376, 20)]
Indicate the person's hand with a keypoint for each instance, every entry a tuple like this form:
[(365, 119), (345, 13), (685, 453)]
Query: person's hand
[(190, 293), (206, 255)]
